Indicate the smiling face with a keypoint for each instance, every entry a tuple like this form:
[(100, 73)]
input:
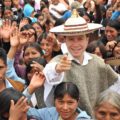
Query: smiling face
[(66, 107), (47, 47), (111, 33), (106, 111), (77, 45), (31, 53)]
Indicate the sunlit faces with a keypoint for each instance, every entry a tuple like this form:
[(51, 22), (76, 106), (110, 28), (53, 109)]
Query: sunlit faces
[(47, 47), (111, 33), (116, 50), (30, 53), (77, 45), (66, 107), (3, 69), (106, 111)]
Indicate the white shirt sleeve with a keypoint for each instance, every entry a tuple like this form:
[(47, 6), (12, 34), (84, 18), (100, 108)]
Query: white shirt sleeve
[(52, 78), (116, 86)]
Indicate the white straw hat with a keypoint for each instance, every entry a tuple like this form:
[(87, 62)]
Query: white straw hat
[(75, 25)]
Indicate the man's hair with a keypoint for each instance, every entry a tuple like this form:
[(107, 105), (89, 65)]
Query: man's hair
[(3, 55)]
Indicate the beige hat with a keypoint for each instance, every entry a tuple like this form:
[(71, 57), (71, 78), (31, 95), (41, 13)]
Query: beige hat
[(75, 25)]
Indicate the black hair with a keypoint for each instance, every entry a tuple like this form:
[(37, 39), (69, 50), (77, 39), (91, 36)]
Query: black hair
[(29, 20), (34, 45), (66, 88), (3, 55), (114, 24), (93, 45), (59, 21), (38, 24), (41, 61), (43, 36), (6, 96)]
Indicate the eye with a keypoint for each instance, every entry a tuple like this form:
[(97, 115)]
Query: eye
[(114, 114), (102, 113), (70, 103)]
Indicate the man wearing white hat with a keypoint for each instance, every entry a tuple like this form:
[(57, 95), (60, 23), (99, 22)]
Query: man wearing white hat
[(86, 70)]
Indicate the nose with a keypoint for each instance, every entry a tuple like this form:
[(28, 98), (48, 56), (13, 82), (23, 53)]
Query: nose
[(30, 56), (108, 33), (65, 106), (108, 117), (44, 47)]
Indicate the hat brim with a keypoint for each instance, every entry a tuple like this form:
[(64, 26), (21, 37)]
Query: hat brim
[(60, 30)]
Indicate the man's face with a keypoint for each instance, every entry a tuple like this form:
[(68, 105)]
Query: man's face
[(3, 69), (77, 45)]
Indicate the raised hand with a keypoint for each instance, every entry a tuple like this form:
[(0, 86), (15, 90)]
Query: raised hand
[(64, 65), (19, 110), (23, 37), (110, 45), (14, 38), (6, 30), (37, 66), (36, 82)]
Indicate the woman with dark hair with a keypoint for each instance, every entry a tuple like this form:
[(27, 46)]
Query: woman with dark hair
[(111, 31), (97, 48), (49, 45), (38, 28), (66, 97)]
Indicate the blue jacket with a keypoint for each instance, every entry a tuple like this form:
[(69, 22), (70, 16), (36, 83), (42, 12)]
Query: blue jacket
[(50, 113), (115, 15)]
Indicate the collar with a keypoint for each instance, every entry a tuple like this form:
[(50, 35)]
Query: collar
[(86, 58)]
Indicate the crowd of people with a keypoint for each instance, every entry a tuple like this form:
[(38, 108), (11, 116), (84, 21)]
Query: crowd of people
[(59, 60)]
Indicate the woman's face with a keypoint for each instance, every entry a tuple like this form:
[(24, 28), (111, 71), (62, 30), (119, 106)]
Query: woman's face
[(106, 111), (7, 3), (31, 36), (109, 12), (30, 53), (66, 107), (116, 51), (38, 29), (47, 47), (111, 33)]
